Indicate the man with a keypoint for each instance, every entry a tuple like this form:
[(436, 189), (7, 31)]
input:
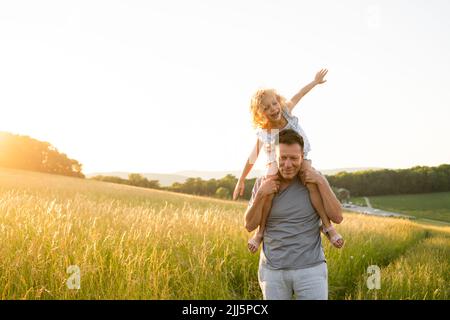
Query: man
[(292, 258)]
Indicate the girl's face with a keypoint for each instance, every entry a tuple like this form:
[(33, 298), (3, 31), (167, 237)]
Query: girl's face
[(271, 108)]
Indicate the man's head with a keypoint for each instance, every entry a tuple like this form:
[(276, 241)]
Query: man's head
[(289, 153)]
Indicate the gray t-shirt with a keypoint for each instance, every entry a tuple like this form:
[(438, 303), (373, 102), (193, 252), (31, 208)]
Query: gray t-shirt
[(292, 236)]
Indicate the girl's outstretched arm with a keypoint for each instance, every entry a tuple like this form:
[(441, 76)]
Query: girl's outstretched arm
[(317, 80), (240, 185)]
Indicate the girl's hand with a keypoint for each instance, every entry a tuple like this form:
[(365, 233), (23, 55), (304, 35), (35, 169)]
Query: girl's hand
[(311, 175), (239, 189), (320, 75)]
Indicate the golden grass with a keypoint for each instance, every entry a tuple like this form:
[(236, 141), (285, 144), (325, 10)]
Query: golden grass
[(133, 243)]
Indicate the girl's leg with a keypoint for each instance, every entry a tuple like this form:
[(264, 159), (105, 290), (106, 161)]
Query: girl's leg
[(255, 241), (317, 203)]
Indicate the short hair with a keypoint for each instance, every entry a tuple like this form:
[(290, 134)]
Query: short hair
[(290, 137)]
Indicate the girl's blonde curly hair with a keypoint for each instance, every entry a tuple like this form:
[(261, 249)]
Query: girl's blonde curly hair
[(256, 106)]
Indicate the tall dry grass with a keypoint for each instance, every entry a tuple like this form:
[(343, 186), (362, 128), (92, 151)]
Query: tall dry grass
[(133, 243)]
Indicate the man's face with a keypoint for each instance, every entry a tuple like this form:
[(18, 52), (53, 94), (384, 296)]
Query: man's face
[(290, 157)]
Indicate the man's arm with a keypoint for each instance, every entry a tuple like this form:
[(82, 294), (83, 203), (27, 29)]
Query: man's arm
[(330, 202), (261, 189), (254, 213), (332, 205)]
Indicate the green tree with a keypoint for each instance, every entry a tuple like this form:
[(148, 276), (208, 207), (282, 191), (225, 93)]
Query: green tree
[(23, 152), (343, 195), (138, 180), (223, 193)]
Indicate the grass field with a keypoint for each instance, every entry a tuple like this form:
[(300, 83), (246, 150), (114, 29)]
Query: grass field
[(134, 243), (435, 206)]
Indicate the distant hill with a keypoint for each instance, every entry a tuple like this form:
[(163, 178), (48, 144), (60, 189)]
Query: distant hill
[(331, 172), (256, 173), (218, 174), (167, 179), (164, 179)]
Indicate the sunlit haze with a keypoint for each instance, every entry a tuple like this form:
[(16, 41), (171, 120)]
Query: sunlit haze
[(164, 86)]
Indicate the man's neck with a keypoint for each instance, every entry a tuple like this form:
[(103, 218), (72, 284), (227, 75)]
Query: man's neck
[(285, 182)]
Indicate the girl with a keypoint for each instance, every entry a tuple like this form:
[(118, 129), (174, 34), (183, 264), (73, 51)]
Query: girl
[(272, 113)]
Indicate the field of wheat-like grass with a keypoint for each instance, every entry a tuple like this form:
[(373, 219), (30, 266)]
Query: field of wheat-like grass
[(134, 243)]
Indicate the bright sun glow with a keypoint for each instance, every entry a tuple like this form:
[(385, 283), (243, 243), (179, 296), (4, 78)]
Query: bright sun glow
[(160, 87)]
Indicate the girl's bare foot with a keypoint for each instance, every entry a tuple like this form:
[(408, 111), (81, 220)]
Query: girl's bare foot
[(254, 242), (334, 237)]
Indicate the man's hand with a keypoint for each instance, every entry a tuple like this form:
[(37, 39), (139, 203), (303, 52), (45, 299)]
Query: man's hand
[(254, 210), (269, 186), (319, 76)]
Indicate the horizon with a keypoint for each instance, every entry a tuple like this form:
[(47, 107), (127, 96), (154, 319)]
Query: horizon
[(105, 82), (218, 171)]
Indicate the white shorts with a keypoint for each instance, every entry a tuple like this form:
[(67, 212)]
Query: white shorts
[(307, 284)]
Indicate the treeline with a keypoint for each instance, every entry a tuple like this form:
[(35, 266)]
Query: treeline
[(134, 179), (419, 179), (224, 187), (23, 152), (26, 153), (220, 188)]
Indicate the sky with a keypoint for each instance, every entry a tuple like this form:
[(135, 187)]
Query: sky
[(165, 86)]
